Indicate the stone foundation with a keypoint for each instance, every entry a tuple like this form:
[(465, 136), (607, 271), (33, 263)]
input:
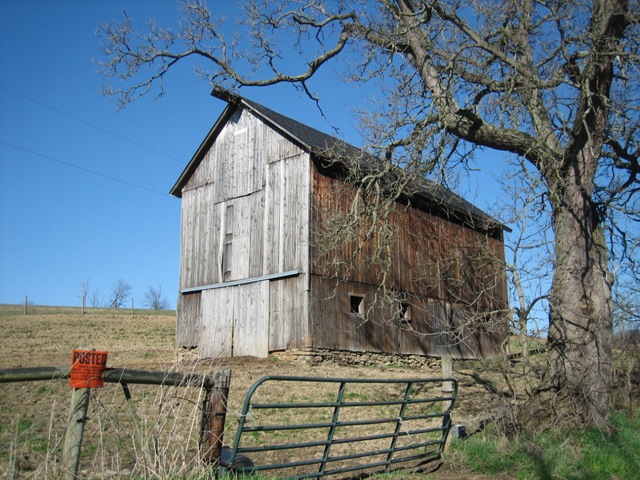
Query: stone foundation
[(344, 358), (357, 359)]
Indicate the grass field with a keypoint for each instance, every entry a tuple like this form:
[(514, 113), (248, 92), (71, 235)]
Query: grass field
[(33, 415), (155, 434), (47, 335)]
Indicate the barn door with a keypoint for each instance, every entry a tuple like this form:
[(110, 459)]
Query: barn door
[(235, 321), (216, 335), (251, 328)]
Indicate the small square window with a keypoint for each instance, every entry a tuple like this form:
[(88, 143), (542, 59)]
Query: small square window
[(404, 312), (356, 304)]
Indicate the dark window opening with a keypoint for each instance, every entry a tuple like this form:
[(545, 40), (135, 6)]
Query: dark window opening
[(356, 304), (227, 253), (405, 312)]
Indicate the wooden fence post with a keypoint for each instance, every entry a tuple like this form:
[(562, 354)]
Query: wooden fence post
[(446, 364), (214, 412), (75, 430)]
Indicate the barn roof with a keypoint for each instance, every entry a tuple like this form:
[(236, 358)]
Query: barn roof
[(318, 143)]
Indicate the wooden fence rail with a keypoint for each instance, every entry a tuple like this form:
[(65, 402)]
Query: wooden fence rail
[(214, 404), (113, 375)]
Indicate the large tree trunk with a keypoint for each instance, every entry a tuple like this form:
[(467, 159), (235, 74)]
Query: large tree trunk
[(580, 333)]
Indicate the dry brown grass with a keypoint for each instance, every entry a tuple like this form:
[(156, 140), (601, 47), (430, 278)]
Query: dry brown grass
[(155, 435)]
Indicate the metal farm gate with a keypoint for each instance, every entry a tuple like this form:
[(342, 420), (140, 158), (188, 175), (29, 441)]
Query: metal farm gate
[(327, 426)]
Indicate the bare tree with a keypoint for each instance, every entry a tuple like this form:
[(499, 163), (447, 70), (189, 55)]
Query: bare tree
[(529, 263), (552, 82), (119, 293), (86, 287), (154, 300), (95, 299)]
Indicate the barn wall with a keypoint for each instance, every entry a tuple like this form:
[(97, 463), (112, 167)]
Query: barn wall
[(245, 214), (431, 256), (286, 215), (235, 321), (247, 219), (334, 327), (433, 328), (443, 270), (235, 163)]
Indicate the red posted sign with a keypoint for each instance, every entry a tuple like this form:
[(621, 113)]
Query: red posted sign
[(87, 368)]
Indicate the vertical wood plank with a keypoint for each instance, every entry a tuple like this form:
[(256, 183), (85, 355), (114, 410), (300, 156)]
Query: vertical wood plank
[(251, 328), (74, 432), (288, 318), (214, 412), (216, 339), (447, 386)]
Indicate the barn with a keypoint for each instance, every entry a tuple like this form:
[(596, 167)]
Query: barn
[(258, 273)]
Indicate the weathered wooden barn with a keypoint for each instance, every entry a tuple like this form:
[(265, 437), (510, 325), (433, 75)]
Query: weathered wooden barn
[(258, 197)]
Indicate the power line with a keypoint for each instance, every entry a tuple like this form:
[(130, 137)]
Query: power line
[(60, 112), (86, 170)]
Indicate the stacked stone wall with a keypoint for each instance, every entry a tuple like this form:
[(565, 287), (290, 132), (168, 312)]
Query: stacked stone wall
[(363, 359)]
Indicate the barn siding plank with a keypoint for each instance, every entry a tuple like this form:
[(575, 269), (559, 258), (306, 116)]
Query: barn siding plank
[(251, 328), (288, 314), (273, 207), (216, 338), (188, 323), (256, 234)]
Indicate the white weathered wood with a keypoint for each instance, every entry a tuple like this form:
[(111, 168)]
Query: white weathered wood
[(74, 432), (235, 321), (251, 330), (188, 320), (272, 220), (256, 234), (277, 147), (287, 206), (447, 386), (267, 235), (216, 337), (295, 218)]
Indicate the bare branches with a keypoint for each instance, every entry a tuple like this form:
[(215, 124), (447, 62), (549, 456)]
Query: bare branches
[(554, 82), (501, 75), (131, 55)]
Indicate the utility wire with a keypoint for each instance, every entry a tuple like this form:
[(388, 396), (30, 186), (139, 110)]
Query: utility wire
[(133, 142), (86, 170)]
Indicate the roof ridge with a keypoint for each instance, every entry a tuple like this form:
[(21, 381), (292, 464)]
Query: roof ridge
[(320, 142), (309, 136)]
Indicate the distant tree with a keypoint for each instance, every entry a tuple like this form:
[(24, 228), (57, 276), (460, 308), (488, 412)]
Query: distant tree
[(85, 288), (119, 293), (154, 299), (95, 298)]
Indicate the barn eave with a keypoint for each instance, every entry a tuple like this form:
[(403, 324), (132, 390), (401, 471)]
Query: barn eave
[(202, 150), (327, 150)]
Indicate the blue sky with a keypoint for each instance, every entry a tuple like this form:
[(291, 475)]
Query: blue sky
[(83, 187)]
